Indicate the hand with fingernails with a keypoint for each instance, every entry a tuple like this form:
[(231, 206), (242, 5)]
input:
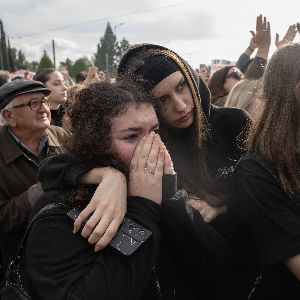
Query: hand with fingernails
[(146, 169)]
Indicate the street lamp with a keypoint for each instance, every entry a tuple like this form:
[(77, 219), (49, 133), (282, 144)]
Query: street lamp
[(116, 26)]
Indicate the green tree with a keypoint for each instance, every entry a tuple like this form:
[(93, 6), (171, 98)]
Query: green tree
[(33, 66), (12, 58), (122, 46), (4, 64), (68, 64), (45, 62), (81, 64), (107, 51), (21, 62)]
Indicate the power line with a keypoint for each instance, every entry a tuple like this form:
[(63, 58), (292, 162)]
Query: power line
[(101, 19)]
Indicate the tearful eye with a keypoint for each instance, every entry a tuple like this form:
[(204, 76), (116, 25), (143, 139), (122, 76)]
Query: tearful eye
[(133, 138)]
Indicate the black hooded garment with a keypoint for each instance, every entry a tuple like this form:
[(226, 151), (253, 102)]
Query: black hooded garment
[(227, 130)]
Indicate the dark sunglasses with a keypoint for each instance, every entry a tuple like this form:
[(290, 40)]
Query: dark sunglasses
[(236, 74)]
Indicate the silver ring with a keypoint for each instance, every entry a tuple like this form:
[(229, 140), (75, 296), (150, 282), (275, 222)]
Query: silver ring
[(147, 169)]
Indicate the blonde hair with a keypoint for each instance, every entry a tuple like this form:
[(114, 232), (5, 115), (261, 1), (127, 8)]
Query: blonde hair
[(243, 93)]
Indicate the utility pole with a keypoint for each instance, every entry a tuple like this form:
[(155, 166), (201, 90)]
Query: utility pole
[(53, 51)]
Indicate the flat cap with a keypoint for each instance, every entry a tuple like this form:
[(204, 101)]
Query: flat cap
[(12, 89)]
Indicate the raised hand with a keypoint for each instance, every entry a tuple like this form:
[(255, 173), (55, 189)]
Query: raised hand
[(252, 45), (288, 38), (92, 76), (263, 34), (146, 170)]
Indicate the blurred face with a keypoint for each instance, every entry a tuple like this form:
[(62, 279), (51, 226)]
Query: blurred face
[(233, 76), (178, 105), (26, 119), (128, 129), (58, 89)]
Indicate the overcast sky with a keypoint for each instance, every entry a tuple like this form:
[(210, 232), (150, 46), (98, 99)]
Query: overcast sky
[(198, 30)]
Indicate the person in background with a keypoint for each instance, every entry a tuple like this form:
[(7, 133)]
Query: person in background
[(221, 83), (115, 125), (102, 76), (54, 81), (261, 39), (265, 207), (80, 77), (245, 95), (204, 142), (4, 77), (72, 92), (25, 139)]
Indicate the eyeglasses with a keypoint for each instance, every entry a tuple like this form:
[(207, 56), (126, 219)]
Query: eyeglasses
[(236, 74), (35, 103)]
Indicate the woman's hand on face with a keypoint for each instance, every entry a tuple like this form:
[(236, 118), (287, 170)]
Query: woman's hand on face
[(146, 169), (168, 164), (106, 210)]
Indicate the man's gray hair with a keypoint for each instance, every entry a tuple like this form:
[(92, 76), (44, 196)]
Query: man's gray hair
[(9, 106)]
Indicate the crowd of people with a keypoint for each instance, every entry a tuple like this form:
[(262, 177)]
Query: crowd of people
[(197, 175)]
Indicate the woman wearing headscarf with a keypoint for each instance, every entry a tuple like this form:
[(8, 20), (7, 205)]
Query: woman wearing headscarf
[(204, 142)]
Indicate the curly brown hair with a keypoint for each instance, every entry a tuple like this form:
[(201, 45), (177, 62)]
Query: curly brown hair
[(94, 107), (276, 135)]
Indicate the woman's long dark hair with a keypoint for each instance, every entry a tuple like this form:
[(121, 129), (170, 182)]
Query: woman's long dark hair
[(276, 135), (44, 75)]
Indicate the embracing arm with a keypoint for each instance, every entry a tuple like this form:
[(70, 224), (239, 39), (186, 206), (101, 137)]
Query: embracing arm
[(61, 171), (78, 272)]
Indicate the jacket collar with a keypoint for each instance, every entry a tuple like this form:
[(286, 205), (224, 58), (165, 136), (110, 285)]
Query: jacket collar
[(10, 149)]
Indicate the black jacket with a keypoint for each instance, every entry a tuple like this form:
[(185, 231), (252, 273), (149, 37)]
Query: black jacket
[(63, 265)]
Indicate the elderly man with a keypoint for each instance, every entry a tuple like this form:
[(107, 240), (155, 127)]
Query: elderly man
[(25, 139)]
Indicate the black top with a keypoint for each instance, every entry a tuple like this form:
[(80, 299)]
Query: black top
[(263, 213), (57, 116), (62, 265)]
